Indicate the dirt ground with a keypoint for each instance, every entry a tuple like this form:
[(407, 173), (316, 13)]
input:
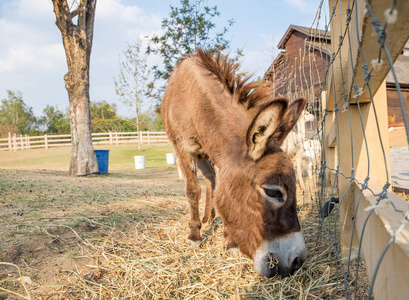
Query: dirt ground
[(123, 236), (43, 215)]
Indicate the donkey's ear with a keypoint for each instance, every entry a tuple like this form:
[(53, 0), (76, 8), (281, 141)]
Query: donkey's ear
[(263, 126), (289, 120)]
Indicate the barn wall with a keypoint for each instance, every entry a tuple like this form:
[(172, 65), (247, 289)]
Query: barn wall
[(299, 69), (394, 109)]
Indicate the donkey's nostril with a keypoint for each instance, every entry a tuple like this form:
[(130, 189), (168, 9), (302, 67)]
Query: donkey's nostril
[(271, 262), (297, 263), (271, 272)]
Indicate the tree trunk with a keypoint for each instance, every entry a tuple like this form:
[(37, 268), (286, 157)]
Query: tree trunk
[(137, 127), (77, 40)]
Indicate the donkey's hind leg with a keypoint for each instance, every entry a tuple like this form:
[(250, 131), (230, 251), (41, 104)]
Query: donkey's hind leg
[(192, 192), (210, 181)]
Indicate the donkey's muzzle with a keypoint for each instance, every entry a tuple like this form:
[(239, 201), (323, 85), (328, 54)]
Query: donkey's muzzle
[(282, 256), (283, 271)]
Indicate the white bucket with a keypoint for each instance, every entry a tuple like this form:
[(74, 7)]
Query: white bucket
[(139, 162), (170, 158)]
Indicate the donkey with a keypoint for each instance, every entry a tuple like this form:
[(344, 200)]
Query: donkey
[(232, 129)]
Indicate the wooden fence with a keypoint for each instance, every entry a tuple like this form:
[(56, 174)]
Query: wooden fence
[(15, 143), (356, 160), (342, 70)]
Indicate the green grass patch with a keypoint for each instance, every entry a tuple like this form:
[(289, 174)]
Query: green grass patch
[(35, 215), (52, 159), (121, 158), (115, 218), (38, 206), (73, 256)]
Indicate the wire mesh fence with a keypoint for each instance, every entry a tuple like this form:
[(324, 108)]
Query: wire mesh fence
[(340, 65)]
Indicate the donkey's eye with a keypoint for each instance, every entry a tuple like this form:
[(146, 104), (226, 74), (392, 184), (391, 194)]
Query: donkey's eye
[(275, 193)]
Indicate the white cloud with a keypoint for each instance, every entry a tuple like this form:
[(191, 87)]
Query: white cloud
[(26, 10), (26, 40), (112, 16), (32, 58), (108, 9), (23, 56), (298, 3)]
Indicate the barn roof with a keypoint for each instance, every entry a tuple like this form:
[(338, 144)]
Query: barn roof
[(402, 71), (401, 65), (310, 32)]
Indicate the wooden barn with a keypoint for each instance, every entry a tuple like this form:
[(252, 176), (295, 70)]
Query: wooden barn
[(300, 67), (402, 72), (300, 70), (395, 117)]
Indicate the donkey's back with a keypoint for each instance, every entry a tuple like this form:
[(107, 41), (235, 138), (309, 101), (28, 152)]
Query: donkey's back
[(194, 107)]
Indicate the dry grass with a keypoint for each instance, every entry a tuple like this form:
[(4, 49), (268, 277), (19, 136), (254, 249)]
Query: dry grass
[(403, 195), (143, 254)]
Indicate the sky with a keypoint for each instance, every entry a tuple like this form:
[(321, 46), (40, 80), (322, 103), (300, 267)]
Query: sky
[(32, 58)]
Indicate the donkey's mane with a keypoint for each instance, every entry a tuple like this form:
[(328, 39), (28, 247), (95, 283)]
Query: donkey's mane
[(246, 92)]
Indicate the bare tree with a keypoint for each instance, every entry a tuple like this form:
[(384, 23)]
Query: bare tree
[(132, 83), (76, 23)]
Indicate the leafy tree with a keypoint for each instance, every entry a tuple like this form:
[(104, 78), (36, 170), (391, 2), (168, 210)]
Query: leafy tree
[(120, 125), (151, 121), (132, 83), (14, 113), (189, 27), (103, 110), (55, 121), (146, 123), (6, 129), (157, 123), (75, 20)]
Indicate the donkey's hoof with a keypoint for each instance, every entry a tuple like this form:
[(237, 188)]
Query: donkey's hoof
[(233, 252), (209, 217), (194, 242)]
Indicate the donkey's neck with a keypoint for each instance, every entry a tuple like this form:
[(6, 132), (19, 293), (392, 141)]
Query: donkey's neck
[(225, 139)]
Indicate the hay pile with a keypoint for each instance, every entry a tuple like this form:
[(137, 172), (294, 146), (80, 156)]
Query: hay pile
[(153, 261)]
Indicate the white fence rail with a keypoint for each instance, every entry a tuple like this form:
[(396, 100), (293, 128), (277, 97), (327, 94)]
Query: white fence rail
[(15, 143)]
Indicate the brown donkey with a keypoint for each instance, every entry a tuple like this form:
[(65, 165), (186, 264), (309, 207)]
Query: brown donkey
[(232, 130)]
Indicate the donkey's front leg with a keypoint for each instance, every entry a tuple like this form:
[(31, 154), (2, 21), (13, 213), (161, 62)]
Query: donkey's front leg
[(193, 196), (192, 193)]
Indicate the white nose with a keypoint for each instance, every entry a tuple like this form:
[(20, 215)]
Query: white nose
[(288, 251)]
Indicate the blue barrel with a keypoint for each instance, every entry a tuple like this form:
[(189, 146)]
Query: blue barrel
[(103, 160)]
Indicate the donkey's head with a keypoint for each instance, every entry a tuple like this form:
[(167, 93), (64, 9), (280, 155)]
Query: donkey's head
[(257, 197)]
